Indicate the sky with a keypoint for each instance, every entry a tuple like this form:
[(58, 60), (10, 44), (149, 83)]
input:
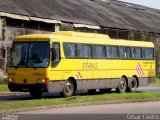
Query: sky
[(148, 3)]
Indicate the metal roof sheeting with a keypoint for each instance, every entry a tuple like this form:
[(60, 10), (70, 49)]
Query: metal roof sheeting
[(104, 13)]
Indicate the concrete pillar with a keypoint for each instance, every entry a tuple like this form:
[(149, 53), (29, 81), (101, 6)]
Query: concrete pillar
[(57, 27), (0, 33), (1, 43)]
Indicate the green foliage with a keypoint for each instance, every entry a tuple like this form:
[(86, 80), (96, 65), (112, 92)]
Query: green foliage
[(157, 82), (20, 104), (3, 88)]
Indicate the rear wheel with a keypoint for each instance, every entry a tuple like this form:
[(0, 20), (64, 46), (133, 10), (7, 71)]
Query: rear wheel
[(132, 85), (122, 86), (68, 89)]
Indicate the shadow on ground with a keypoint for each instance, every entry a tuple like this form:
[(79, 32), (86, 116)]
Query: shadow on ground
[(26, 96)]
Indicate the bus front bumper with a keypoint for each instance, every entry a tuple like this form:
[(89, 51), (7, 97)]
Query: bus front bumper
[(14, 87)]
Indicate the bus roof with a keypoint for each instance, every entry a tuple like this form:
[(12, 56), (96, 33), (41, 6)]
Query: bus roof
[(81, 37), (82, 34)]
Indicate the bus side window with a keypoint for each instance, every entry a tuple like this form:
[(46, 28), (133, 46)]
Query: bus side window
[(122, 51), (112, 52), (55, 54), (98, 51), (136, 53), (128, 52), (69, 50), (148, 53), (84, 51)]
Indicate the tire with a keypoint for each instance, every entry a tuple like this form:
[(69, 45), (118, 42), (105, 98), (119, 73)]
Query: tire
[(68, 89), (36, 93), (122, 86), (132, 87), (91, 91)]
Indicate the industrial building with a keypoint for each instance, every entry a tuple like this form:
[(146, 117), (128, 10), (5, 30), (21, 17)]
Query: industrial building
[(118, 19)]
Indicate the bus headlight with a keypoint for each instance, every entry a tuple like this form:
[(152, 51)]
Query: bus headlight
[(44, 80), (11, 80)]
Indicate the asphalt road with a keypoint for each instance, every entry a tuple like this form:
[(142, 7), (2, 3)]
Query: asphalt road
[(124, 111), (152, 107), (22, 96)]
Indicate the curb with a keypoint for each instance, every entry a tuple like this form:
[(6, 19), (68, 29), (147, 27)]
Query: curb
[(19, 111), (12, 93)]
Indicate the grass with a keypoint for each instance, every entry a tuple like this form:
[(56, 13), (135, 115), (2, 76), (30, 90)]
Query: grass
[(11, 105), (3, 88), (30, 103), (157, 82)]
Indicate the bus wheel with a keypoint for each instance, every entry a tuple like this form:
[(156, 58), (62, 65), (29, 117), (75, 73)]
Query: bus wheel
[(91, 91), (36, 93), (122, 86), (133, 85), (68, 89)]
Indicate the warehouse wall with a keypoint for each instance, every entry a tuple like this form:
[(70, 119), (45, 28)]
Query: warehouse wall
[(10, 28)]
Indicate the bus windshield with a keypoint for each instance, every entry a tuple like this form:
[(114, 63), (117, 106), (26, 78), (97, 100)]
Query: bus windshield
[(30, 55)]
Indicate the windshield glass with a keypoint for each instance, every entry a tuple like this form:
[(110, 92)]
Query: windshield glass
[(33, 54)]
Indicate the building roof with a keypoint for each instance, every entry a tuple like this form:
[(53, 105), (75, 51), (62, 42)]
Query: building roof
[(101, 13)]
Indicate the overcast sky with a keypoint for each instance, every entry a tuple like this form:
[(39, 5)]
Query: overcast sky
[(149, 3)]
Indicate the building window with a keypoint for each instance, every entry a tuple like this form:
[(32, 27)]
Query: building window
[(46, 26), (13, 22), (113, 33), (30, 24), (122, 34), (4, 53)]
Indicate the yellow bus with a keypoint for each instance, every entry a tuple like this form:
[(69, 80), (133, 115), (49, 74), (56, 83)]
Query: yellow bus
[(68, 61)]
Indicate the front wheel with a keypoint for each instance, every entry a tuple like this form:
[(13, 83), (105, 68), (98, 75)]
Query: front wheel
[(122, 86), (68, 89)]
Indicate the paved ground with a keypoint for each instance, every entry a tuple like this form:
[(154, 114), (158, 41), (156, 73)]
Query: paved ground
[(124, 111), (152, 107)]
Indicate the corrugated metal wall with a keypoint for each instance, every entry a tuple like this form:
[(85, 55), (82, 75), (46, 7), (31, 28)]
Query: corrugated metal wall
[(9, 28)]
